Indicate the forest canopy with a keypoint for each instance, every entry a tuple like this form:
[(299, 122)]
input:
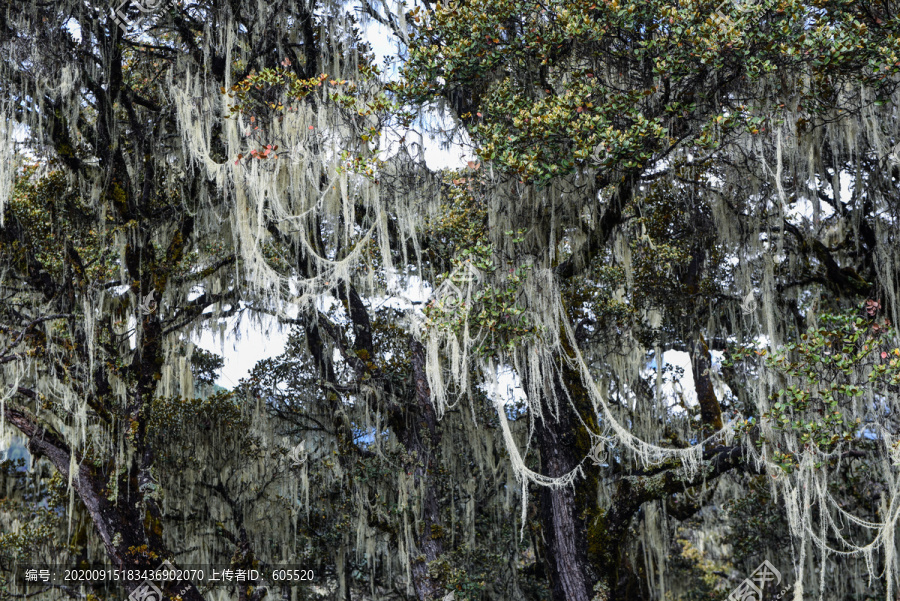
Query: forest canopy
[(639, 344)]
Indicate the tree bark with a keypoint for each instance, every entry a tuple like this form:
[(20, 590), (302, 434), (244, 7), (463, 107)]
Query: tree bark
[(563, 443), (421, 437), (710, 409)]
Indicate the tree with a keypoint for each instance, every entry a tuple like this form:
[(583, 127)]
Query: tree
[(693, 147), (651, 178), (114, 252), (156, 138)]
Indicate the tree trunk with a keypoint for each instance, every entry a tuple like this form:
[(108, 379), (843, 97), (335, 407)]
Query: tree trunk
[(563, 442), (121, 524), (421, 437)]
